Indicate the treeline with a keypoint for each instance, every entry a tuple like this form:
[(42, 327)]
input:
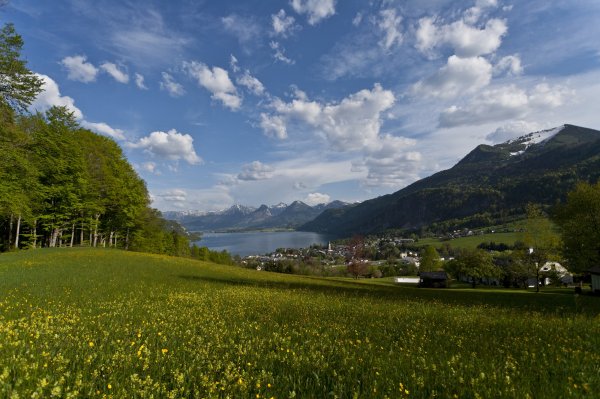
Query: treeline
[(63, 185)]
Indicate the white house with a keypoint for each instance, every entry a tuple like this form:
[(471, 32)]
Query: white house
[(560, 270)]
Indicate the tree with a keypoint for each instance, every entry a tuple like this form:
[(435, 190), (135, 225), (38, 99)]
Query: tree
[(475, 264), (430, 260), (357, 266), (18, 85), (540, 240), (578, 221)]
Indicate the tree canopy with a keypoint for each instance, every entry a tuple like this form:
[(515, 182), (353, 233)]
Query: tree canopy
[(578, 220)]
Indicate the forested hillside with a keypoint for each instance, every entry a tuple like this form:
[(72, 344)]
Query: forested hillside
[(62, 185)]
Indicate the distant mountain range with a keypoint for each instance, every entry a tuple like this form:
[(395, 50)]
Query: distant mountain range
[(239, 217), (492, 184)]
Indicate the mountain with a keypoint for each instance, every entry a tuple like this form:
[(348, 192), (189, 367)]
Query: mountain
[(239, 217), (491, 184)]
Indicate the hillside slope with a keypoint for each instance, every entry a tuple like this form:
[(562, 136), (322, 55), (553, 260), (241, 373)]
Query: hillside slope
[(490, 184)]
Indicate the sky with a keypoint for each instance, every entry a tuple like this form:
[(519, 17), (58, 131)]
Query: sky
[(256, 102)]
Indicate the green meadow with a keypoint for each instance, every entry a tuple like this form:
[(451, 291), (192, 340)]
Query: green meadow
[(108, 323)]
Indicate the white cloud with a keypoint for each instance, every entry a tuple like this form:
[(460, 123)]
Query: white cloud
[(171, 145), (251, 83), (509, 65), (390, 25), (114, 71), (174, 195), (273, 126), (279, 54), (512, 130), (465, 39), (316, 10), (103, 128), (459, 76), (357, 19), (391, 163), (51, 97), (233, 62), (246, 30), (256, 171), (473, 14), (504, 103), (78, 69), (147, 44), (169, 84), (139, 82), (215, 80), (283, 25), (352, 124), (313, 199), (149, 167)]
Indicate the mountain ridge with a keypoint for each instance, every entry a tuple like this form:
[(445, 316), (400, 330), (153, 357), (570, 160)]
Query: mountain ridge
[(488, 185), (240, 217)]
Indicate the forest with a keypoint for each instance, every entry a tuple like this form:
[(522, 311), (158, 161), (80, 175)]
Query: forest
[(63, 185)]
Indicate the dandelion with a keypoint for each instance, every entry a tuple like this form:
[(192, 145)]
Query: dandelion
[(91, 344), (164, 351)]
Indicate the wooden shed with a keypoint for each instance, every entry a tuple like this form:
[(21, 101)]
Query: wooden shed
[(433, 279)]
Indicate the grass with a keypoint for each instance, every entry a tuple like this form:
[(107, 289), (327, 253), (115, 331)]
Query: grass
[(474, 241), (101, 323)]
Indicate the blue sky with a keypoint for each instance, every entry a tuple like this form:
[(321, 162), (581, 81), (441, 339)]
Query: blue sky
[(254, 101)]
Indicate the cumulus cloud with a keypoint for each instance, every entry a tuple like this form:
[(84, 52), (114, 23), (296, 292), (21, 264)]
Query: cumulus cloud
[(279, 53), (114, 71), (316, 10), (283, 24), (216, 80), (51, 97), (105, 129), (512, 130), (251, 83), (390, 163), (256, 171), (169, 145), (169, 84), (78, 69), (509, 65), (504, 103), (273, 126), (139, 82), (352, 124), (458, 76), (390, 25), (313, 199), (465, 39)]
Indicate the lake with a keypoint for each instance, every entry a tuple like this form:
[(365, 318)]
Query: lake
[(258, 242)]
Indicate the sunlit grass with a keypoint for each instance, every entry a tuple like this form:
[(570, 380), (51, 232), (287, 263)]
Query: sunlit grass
[(94, 323)]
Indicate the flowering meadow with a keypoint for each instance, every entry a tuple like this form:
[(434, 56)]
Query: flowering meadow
[(114, 324)]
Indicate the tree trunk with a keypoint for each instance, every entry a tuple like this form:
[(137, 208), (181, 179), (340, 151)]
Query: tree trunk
[(127, 240), (110, 239), (72, 235), (115, 239), (18, 232), (81, 233), (96, 230), (53, 238)]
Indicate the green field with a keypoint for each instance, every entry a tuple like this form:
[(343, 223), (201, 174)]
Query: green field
[(101, 323), (473, 241)]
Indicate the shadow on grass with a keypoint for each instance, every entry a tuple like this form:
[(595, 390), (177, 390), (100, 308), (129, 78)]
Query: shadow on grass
[(555, 303)]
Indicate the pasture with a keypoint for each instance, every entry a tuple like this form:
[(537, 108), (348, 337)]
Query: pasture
[(108, 323)]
